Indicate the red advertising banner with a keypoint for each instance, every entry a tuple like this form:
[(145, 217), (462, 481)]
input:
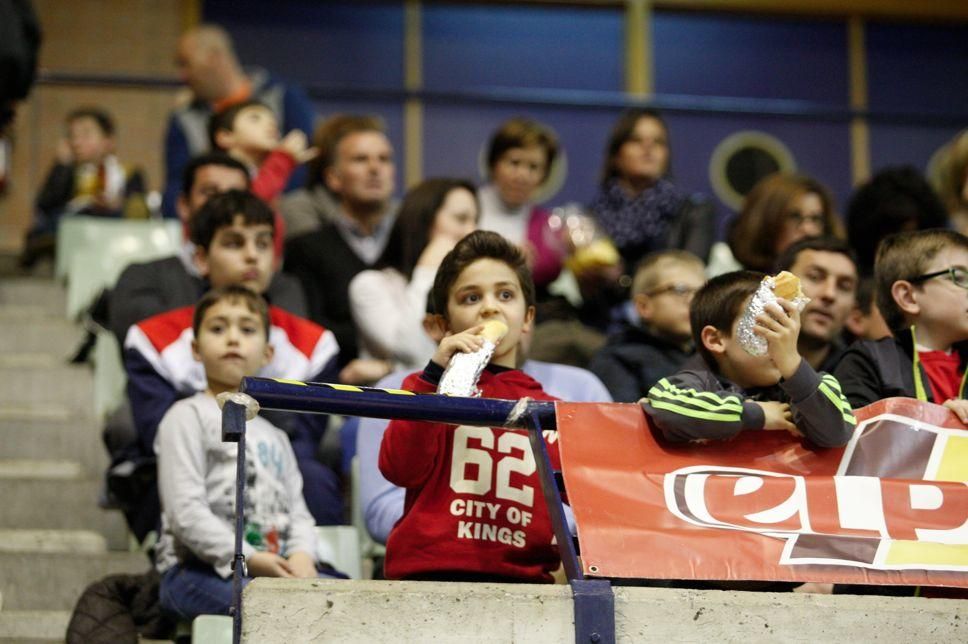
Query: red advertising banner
[(889, 508)]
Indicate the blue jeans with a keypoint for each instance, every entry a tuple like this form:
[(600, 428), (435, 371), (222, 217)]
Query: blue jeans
[(187, 591), (190, 590)]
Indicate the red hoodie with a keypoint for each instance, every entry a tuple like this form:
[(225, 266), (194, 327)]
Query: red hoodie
[(474, 503)]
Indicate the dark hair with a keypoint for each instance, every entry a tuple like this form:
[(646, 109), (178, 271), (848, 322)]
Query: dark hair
[(718, 304), (225, 119), (101, 117), (415, 220), (327, 137), (897, 199), (521, 132), (622, 133), (753, 234), (480, 244), (222, 209), (209, 158), (823, 243), (233, 293), (905, 256), (864, 297)]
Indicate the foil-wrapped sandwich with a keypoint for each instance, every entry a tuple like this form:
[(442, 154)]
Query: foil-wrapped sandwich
[(464, 369), (784, 285)]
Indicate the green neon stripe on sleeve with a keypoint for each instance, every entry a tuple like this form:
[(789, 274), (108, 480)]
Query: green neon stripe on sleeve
[(724, 406), (837, 401), (692, 413), (696, 395)]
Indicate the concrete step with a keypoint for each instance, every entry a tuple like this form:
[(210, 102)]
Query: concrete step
[(33, 626), (66, 386), (53, 336), (68, 541), (41, 294), (78, 439), (60, 499), (54, 581)]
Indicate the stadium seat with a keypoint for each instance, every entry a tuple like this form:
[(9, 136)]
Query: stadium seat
[(103, 248), (212, 629), (340, 546)]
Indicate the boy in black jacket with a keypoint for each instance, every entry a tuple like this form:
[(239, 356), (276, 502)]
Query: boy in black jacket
[(636, 357), (730, 390), (921, 288)]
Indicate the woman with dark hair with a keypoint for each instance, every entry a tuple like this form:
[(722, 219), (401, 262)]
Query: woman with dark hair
[(389, 301), (782, 208), (637, 205), (520, 155)]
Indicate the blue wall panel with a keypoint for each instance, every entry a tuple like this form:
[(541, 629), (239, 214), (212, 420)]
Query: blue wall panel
[(893, 144), (821, 150), (721, 55), (353, 44), (468, 47), (920, 68)]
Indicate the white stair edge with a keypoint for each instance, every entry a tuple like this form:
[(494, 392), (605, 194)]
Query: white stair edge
[(34, 413), (52, 540), (40, 469)]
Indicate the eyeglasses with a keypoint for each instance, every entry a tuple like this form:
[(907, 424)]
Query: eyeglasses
[(958, 275), (679, 290), (800, 219)]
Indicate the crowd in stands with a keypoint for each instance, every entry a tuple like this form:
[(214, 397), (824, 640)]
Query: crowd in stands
[(299, 263)]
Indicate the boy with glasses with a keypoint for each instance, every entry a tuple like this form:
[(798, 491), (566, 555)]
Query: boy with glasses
[(922, 291), (636, 357)]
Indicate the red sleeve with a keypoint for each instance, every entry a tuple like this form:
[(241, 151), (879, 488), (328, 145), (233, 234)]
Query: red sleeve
[(273, 175), (410, 449)]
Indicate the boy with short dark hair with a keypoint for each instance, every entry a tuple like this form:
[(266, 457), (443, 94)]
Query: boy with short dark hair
[(466, 516), (249, 132), (729, 390), (636, 357), (233, 234), (196, 471), (921, 282), (87, 178)]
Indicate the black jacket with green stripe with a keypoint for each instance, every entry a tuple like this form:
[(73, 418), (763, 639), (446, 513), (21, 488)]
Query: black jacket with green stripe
[(697, 404)]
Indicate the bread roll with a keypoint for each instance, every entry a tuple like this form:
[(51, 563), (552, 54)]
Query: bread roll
[(494, 330), (787, 286)]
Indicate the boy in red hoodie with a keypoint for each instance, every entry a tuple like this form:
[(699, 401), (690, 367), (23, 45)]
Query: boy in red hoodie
[(474, 510)]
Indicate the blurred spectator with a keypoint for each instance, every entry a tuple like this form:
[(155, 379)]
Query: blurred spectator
[(639, 207), (357, 169), (782, 208), (520, 158), (87, 179), (896, 199), (638, 356), (309, 208), (865, 321), (208, 65), (389, 302), (953, 181), (154, 287), (828, 276), (249, 132), (19, 41)]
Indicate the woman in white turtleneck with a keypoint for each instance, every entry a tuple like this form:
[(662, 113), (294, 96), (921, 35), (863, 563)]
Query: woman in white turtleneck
[(389, 301), (519, 158)]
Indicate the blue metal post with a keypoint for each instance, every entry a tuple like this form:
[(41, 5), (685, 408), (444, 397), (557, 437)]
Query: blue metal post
[(233, 431)]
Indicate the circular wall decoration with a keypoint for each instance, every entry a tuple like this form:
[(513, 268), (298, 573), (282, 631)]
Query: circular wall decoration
[(742, 159)]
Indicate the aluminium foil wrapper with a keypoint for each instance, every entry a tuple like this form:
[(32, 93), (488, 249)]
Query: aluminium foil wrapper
[(464, 370), (753, 343)]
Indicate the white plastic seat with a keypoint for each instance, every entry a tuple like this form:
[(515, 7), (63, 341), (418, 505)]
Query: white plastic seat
[(212, 629), (95, 265), (110, 378), (340, 546)]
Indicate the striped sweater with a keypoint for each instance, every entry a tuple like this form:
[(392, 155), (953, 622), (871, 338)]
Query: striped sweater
[(697, 404)]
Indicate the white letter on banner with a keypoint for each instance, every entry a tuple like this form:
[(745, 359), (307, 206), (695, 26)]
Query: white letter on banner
[(859, 503)]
